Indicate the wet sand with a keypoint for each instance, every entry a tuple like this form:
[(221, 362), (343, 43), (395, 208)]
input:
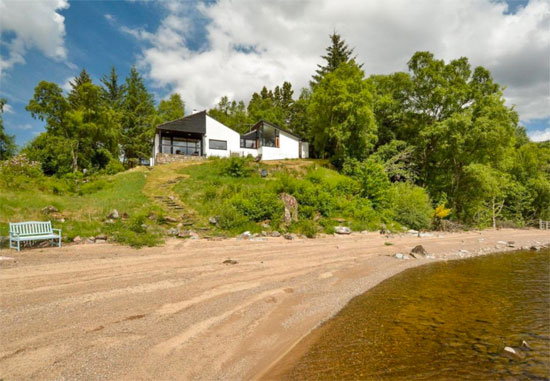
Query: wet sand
[(177, 312)]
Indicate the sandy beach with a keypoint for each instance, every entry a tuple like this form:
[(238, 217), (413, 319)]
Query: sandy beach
[(104, 311)]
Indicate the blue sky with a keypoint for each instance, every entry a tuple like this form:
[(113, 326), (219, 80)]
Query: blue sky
[(196, 48)]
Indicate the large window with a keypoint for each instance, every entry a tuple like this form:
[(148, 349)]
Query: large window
[(181, 146), (248, 143), (217, 144), (270, 136)]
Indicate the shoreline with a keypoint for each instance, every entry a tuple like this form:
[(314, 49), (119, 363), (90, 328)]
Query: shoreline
[(120, 313), (293, 355)]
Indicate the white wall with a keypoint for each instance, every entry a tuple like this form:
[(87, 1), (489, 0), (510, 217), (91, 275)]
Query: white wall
[(305, 150), (289, 148), (156, 143), (217, 131)]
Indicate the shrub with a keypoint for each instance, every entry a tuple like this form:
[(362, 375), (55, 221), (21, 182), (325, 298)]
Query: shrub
[(210, 193), (306, 227), (235, 167), (229, 217), (373, 179), (20, 172), (114, 166), (258, 204), (411, 206)]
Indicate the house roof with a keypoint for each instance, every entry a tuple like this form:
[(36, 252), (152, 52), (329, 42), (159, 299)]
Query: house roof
[(262, 121), (192, 123)]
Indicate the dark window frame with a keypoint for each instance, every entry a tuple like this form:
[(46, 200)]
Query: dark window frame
[(217, 141)]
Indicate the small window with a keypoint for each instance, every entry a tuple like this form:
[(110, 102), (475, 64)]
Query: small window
[(217, 144)]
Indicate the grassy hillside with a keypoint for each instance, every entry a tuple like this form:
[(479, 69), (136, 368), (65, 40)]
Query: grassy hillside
[(153, 203)]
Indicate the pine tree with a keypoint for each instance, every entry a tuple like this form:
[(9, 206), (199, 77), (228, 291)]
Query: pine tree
[(138, 113), (82, 78), (112, 91), (337, 53)]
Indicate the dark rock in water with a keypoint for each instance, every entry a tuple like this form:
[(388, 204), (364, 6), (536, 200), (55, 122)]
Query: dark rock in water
[(419, 251), (230, 262)]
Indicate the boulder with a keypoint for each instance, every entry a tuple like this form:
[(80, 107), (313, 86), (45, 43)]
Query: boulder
[(342, 230), (113, 215), (245, 235), (50, 209), (172, 231), (275, 234), (213, 220), (291, 208), (290, 236), (418, 251), (77, 239)]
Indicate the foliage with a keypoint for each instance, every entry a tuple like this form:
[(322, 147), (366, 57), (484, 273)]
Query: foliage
[(258, 205), (235, 167), (373, 179), (341, 117), (137, 120), (411, 206), (337, 53), (232, 114), (19, 172), (171, 109)]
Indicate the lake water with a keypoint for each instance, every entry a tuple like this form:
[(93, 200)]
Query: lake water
[(448, 320)]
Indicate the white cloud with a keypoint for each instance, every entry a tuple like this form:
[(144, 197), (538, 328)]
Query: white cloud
[(35, 24), (67, 84), (284, 41), (110, 18), (540, 135), (26, 126), (8, 109)]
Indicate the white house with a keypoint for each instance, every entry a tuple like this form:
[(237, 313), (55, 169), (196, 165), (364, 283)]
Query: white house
[(201, 135)]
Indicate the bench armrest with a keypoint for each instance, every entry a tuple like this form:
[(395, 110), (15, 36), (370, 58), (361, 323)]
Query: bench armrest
[(59, 230), (13, 234)]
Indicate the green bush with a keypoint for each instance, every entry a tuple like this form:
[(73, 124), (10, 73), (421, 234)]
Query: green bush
[(258, 204), (235, 167), (229, 218), (411, 206), (306, 227), (373, 179), (113, 167), (19, 172)]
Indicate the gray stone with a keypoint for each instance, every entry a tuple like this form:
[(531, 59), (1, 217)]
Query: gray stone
[(245, 235), (275, 234), (291, 208), (412, 232), (213, 220), (401, 256), (290, 236), (77, 239), (113, 215), (49, 209), (173, 231), (418, 251), (342, 230), (193, 235)]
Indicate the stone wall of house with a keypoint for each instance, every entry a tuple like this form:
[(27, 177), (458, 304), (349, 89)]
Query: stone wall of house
[(164, 158)]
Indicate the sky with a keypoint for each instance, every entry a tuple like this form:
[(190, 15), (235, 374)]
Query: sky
[(204, 50)]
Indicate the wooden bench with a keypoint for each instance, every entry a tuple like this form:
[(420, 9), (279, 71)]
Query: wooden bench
[(33, 231)]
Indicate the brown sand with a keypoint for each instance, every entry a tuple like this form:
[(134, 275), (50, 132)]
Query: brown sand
[(177, 312)]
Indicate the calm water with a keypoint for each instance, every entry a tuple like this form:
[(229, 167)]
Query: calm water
[(442, 321)]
